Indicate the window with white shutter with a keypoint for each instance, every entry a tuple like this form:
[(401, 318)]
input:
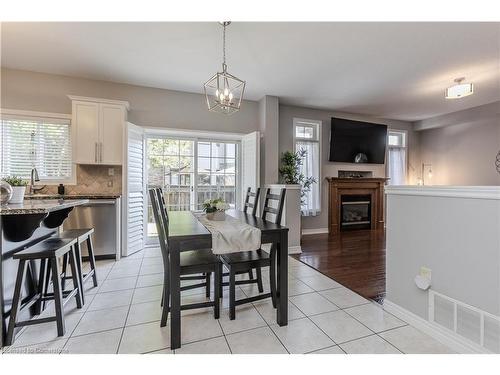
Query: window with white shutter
[(36, 142)]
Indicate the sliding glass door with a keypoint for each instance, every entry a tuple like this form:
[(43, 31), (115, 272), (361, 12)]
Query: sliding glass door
[(190, 171)]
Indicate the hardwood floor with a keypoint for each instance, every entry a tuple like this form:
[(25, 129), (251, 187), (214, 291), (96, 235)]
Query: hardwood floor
[(355, 259)]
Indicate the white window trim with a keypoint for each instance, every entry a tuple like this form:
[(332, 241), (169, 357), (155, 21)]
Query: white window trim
[(405, 147), (55, 116), (318, 123)]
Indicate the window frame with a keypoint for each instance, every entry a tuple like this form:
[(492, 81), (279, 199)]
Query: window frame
[(58, 117), (190, 136), (399, 132), (317, 138)]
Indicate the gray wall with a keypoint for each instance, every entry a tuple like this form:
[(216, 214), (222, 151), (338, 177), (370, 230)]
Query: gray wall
[(457, 238), (148, 106), (463, 152), (329, 169), (269, 127)]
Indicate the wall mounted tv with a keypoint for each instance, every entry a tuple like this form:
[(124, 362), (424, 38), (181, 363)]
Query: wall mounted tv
[(350, 138)]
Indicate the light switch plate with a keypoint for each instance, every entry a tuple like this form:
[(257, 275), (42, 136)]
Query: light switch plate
[(111, 171)]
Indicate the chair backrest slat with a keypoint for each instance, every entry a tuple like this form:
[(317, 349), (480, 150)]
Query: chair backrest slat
[(161, 219), (268, 209), (253, 205)]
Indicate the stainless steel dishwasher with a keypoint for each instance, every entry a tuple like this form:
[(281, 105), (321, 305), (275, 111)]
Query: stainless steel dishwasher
[(104, 216)]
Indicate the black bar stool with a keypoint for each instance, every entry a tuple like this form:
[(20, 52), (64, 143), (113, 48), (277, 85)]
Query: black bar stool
[(81, 236), (48, 252)]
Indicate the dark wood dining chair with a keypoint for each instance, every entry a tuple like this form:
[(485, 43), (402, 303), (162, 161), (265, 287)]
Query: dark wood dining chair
[(241, 262), (254, 204), (192, 262)]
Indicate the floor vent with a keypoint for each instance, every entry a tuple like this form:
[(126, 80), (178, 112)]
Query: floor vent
[(468, 322)]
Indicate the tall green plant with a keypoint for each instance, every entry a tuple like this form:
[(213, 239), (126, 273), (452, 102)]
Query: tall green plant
[(290, 172)]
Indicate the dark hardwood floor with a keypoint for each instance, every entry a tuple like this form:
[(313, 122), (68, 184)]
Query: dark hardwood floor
[(355, 259)]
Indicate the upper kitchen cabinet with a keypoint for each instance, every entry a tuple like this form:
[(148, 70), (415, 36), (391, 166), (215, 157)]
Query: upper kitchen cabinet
[(98, 129)]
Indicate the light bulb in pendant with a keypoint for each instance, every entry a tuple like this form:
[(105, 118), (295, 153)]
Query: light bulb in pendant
[(230, 96), (226, 92)]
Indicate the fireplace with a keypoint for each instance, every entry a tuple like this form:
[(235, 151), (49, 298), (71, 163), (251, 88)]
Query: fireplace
[(355, 203), (355, 212)]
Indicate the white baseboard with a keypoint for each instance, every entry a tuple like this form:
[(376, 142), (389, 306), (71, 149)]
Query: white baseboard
[(294, 249), (455, 342), (314, 231)]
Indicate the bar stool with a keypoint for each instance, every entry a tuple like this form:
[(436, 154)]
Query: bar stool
[(49, 252), (81, 235)]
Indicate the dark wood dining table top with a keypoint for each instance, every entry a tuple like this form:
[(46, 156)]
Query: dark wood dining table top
[(184, 224)]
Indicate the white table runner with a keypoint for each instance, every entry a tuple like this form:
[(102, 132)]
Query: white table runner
[(231, 235)]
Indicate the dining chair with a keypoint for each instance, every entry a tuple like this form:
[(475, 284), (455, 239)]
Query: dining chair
[(253, 205), (242, 261), (192, 262)]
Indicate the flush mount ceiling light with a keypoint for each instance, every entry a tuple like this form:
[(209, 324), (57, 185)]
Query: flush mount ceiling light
[(224, 91), (459, 90)]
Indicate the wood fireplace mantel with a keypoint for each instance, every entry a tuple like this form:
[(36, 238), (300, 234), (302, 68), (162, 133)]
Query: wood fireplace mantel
[(355, 186)]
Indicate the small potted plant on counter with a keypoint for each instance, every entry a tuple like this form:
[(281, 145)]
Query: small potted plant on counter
[(215, 209), (18, 188)]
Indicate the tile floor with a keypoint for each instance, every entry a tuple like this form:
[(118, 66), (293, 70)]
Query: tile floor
[(122, 315)]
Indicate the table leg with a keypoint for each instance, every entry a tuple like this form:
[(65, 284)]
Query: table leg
[(175, 296), (282, 294)]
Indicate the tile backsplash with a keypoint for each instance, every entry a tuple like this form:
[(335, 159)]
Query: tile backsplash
[(92, 179)]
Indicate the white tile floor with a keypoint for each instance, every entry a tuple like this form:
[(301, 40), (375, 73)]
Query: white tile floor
[(122, 315)]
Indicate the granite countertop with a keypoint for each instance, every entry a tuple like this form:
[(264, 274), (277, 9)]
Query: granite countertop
[(40, 206), (72, 196)]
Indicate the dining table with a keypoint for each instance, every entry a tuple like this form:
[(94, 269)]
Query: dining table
[(186, 232)]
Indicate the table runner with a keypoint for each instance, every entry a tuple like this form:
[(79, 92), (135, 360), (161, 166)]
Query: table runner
[(231, 235)]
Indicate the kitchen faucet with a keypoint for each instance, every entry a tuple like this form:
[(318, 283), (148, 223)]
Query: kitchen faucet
[(34, 178)]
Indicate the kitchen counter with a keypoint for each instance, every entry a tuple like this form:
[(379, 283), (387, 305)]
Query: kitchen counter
[(72, 196), (40, 206)]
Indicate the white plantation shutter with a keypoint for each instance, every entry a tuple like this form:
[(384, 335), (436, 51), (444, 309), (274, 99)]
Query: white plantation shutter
[(33, 142)]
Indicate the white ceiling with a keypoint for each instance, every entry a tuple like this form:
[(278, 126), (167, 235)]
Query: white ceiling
[(390, 70)]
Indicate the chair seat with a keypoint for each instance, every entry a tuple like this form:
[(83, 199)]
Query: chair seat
[(246, 256), (198, 258), (50, 247), (76, 233)]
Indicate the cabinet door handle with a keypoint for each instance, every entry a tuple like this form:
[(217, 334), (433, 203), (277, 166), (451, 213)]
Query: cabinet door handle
[(95, 152)]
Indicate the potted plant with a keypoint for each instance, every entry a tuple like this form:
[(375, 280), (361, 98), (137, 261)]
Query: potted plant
[(18, 188), (290, 172), (215, 209)]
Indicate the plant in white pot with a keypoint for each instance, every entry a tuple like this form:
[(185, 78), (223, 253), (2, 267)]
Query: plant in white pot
[(18, 188), (215, 209)]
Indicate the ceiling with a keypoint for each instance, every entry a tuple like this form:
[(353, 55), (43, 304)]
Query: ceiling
[(389, 70)]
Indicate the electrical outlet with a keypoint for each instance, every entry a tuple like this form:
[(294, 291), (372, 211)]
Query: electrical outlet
[(111, 171), (426, 272), (110, 183)]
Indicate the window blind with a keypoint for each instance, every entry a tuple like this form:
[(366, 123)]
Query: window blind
[(32, 142)]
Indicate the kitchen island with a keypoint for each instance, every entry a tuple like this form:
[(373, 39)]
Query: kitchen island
[(24, 225)]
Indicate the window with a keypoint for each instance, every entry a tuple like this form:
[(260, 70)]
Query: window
[(36, 142), (307, 136), (397, 157), (190, 171)]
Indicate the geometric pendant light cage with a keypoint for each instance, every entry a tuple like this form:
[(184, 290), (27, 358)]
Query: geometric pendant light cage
[(223, 91)]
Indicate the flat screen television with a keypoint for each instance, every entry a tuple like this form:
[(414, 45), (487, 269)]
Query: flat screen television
[(351, 141)]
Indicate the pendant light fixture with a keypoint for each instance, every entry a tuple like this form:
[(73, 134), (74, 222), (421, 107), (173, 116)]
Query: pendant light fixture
[(224, 91), (459, 90)]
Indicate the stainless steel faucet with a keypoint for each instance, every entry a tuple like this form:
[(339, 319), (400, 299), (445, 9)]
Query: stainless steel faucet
[(34, 178)]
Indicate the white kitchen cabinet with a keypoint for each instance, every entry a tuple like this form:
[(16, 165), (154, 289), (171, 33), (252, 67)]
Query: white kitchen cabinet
[(98, 126)]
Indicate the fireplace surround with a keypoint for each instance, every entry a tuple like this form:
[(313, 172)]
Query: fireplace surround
[(355, 203)]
